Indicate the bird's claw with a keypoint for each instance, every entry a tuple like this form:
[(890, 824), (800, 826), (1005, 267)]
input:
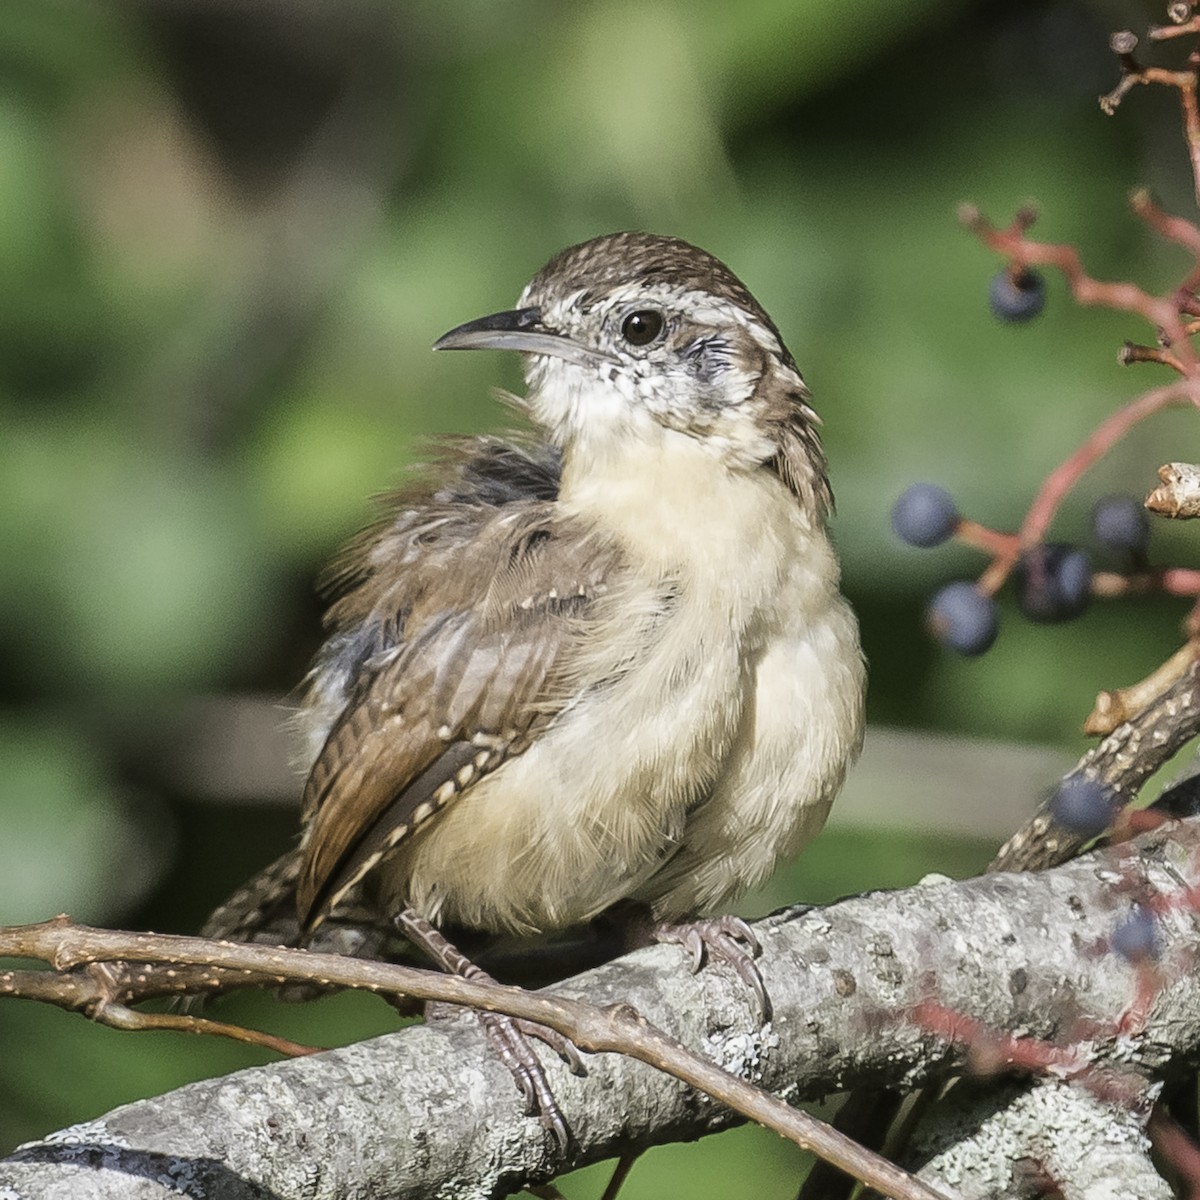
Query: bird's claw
[(728, 939), (510, 1036), (561, 1045), (511, 1039)]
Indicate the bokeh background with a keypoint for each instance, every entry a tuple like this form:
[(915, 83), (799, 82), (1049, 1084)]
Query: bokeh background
[(229, 232)]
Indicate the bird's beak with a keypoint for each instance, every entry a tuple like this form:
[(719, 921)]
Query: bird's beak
[(519, 329)]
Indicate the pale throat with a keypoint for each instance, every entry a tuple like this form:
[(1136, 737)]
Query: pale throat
[(680, 510), (680, 503)]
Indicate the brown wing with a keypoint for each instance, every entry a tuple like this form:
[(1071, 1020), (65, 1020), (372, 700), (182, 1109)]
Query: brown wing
[(485, 622)]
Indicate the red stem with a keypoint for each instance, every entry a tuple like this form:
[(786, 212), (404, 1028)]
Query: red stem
[(1181, 581), (1064, 477), (981, 537)]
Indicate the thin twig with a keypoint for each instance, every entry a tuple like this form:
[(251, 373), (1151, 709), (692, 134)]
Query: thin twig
[(1133, 73), (1133, 352), (1123, 761), (1102, 439), (1114, 707), (1181, 231), (1161, 312), (1174, 228), (982, 537), (1173, 581), (1162, 33)]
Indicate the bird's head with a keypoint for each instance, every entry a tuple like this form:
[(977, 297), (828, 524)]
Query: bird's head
[(632, 336)]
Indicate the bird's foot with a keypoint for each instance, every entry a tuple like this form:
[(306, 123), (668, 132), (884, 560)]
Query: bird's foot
[(513, 1042), (510, 1036), (727, 939)]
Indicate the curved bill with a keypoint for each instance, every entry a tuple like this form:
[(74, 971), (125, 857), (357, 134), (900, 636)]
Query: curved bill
[(518, 329)]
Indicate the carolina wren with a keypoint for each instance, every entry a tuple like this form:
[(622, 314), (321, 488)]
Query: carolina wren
[(613, 666)]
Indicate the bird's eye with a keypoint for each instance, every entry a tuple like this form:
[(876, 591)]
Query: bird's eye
[(642, 327)]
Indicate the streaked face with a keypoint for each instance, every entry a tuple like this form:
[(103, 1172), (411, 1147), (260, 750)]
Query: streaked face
[(630, 335)]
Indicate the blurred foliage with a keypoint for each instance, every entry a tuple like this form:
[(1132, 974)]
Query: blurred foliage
[(229, 232)]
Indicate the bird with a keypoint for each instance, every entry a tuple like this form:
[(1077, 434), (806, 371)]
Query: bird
[(605, 666)]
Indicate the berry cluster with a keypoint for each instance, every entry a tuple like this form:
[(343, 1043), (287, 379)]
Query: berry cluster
[(1053, 580)]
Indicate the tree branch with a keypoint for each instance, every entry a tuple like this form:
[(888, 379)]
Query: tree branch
[(429, 1110), (1123, 761), (1021, 1140), (617, 1028)]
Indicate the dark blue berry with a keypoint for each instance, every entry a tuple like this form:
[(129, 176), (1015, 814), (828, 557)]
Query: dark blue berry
[(1017, 298), (1122, 523), (924, 515), (1083, 806), (962, 617), (1136, 938), (1053, 581)]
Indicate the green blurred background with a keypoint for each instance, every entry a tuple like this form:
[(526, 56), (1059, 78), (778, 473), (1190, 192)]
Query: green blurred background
[(229, 232)]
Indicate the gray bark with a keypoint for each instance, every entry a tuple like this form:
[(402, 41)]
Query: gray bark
[(429, 1111), (1009, 1142)]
